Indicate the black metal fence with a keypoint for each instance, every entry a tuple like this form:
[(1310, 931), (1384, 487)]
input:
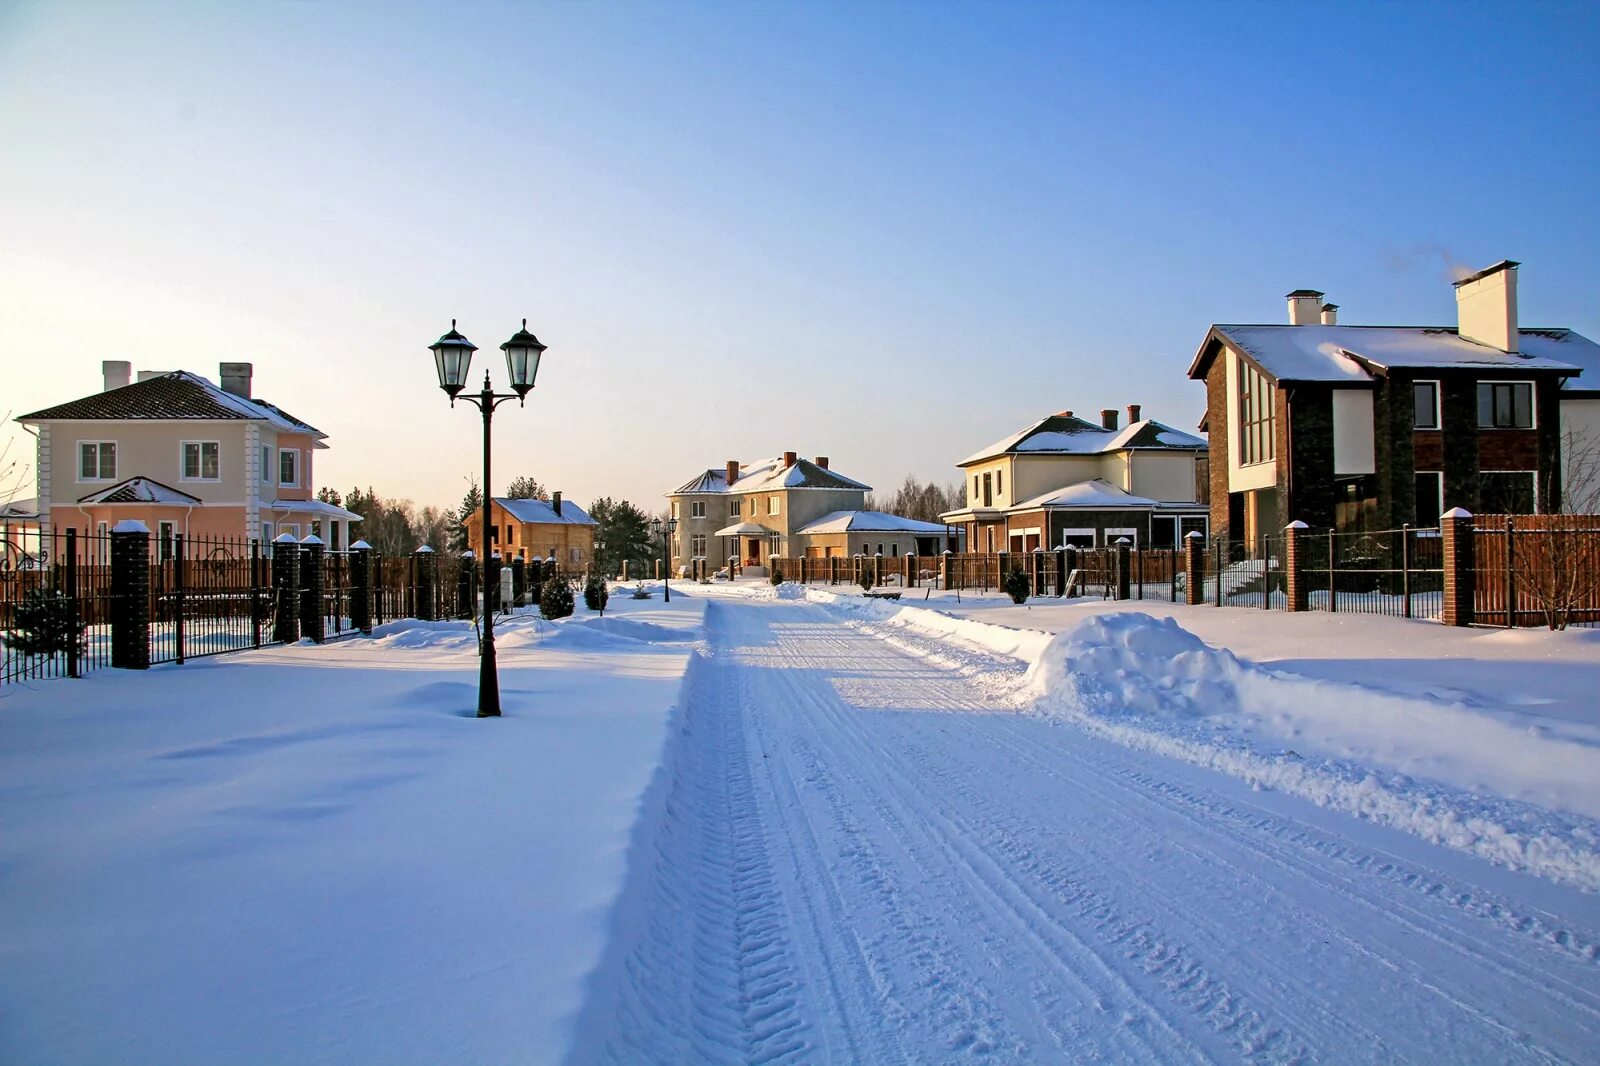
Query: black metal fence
[(1394, 572), (55, 616), (208, 595)]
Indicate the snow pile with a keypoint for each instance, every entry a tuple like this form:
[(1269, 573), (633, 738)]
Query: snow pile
[(1524, 798)]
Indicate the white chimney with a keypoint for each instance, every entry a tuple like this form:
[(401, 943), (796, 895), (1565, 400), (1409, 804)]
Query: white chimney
[(1305, 305), (1486, 306), (1330, 314), (118, 372), (235, 378)]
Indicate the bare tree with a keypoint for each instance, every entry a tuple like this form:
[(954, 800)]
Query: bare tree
[(1557, 566), (1580, 470)]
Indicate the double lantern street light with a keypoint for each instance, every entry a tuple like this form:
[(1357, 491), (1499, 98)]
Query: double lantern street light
[(452, 354), (665, 532)]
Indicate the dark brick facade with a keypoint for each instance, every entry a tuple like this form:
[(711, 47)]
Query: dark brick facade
[(1305, 428), (1219, 447)]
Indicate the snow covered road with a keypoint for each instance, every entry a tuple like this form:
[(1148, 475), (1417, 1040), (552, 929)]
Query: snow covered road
[(847, 871)]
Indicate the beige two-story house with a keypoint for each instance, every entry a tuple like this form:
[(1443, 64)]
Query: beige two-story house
[(1064, 480), (789, 507), (183, 456)]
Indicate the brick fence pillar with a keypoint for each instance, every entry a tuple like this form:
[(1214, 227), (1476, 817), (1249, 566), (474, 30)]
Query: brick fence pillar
[(361, 586), (427, 570), (311, 588), (130, 595), (1124, 569), (519, 581), (285, 589), (946, 564), (1194, 567), (1460, 587), (1294, 566)]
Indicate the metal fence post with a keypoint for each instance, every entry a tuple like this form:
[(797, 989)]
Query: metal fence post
[(1217, 567), (1511, 572), (255, 593), (1333, 572), (1405, 565), (180, 550), (75, 628)]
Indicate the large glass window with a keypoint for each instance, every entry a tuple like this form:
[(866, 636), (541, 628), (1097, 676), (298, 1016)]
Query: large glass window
[(1257, 419), (288, 467), (1505, 405), (201, 460), (1507, 492), (1425, 399), (97, 460)]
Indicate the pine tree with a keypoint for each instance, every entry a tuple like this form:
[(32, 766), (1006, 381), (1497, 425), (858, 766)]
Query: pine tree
[(471, 506), (555, 598), (526, 488)]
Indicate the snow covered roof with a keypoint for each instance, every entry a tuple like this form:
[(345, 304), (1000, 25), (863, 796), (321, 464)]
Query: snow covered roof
[(745, 529), (870, 522), (1063, 434), (540, 511), (765, 474), (1340, 354), (141, 490), (28, 509), (314, 507), (1096, 494), (178, 395)]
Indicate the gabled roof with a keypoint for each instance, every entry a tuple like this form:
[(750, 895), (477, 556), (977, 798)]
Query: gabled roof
[(178, 395), (1062, 434), (540, 511), (765, 474), (1096, 494), (141, 490), (871, 522), (1343, 354), (20, 509)]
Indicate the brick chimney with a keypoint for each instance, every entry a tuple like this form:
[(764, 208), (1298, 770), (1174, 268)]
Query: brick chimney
[(822, 461), (732, 471), (1133, 413), (555, 503), (1486, 306), (1108, 418), (789, 458), (1330, 314), (1305, 307), (235, 378), (1066, 414), (118, 372)]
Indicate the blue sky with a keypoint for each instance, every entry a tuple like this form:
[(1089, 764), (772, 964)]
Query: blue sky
[(888, 233)]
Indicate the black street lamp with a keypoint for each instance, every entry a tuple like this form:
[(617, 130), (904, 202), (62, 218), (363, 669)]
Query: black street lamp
[(452, 355), (665, 532)]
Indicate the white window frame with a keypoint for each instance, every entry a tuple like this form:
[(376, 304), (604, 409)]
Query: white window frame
[(734, 508), (697, 545), (268, 531), (1532, 474), (1082, 531), (291, 528), (183, 459), (674, 508), (1438, 405), (697, 509), (773, 505), (1533, 409), (1113, 532), (296, 453), (1439, 503), (97, 445), (266, 464)]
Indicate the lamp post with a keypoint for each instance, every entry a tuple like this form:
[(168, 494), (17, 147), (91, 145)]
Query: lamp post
[(452, 355), (665, 532)]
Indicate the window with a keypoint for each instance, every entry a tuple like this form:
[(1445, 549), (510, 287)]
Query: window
[(772, 504), (1430, 496), (201, 460), (988, 496), (288, 467), (291, 528), (697, 509), (999, 482), (733, 509), (97, 460), (674, 508), (1257, 420), (1507, 492), (267, 532), (1425, 400), (575, 555), (974, 488), (511, 533), (266, 464), (1505, 405), (1115, 533), (164, 532), (697, 545)]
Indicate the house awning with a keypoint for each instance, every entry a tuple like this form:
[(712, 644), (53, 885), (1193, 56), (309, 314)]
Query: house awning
[(316, 508), (745, 529)]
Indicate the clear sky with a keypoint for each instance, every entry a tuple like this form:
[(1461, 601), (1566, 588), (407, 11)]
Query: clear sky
[(884, 232)]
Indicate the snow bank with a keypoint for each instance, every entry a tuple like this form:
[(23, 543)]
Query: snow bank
[(1426, 766)]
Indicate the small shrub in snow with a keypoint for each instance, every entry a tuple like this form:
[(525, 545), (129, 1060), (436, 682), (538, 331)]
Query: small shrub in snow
[(44, 625), (639, 592), (1016, 586), (864, 577), (555, 598), (775, 577), (595, 594)]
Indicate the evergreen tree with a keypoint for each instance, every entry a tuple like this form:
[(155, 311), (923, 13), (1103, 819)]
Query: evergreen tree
[(526, 488), (471, 505), (555, 598), (623, 533)]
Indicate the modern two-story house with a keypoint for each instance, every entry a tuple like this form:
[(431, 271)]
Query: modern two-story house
[(183, 456), (1372, 427), (537, 529), (789, 507), (1064, 480)]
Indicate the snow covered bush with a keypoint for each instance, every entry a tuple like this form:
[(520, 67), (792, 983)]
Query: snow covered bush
[(1016, 586), (45, 625), (595, 594), (639, 592), (775, 577), (555, 598)]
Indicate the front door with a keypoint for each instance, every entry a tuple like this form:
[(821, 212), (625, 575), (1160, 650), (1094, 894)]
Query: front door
[(752, 551)]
